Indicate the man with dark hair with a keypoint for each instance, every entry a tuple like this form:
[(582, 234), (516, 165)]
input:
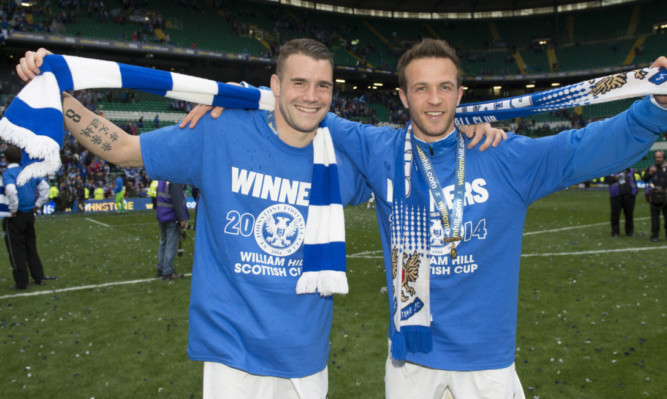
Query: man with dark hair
[(656, 192), (451, 222), (255, 171), (256, 335), (19, 229)]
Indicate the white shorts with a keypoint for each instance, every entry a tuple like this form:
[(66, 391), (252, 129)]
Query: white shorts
[(224, 382), (405, 380)]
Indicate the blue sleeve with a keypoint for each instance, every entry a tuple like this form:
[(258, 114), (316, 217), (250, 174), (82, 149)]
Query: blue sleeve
[(353, 187), (359, 141), (175, 154), (8, 178), (545, 165)]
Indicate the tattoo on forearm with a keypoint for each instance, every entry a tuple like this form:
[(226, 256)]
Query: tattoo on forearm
[(73, 115), (93, 129), (87, 131)]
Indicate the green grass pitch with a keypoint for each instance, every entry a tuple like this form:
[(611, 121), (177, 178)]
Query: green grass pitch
[(591, 322)]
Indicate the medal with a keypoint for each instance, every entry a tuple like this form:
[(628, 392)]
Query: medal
[(453, 252)]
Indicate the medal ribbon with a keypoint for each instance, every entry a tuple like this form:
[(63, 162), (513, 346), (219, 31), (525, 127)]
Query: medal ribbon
[(452, 225)]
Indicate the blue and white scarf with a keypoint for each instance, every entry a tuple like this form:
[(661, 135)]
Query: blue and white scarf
[(324, 243), (410, 232), (34, 122), (631, 84)]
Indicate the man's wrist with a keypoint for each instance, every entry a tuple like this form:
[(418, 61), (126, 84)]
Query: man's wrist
[(662, 104)]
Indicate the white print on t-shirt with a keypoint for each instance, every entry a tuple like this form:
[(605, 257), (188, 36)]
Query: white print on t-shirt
[(441, 262), (444, 265), (274, 188), (436, 235), (475, 193), (280, 230)]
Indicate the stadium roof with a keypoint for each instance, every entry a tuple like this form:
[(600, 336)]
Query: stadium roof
[(473, 8)]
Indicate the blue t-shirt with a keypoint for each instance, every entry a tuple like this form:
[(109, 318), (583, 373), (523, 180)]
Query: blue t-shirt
[(244, 310), (474, 296), (27, 193)]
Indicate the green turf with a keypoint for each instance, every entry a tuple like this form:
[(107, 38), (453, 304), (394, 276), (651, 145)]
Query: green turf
[(591, 325)]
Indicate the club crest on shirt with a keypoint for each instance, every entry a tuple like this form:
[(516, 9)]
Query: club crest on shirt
[(280, 230)]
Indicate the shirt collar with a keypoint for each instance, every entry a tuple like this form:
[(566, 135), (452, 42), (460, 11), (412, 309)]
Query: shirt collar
[(448, 141)]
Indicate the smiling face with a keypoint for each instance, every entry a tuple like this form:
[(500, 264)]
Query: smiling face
[(303, 92), (431, 94)]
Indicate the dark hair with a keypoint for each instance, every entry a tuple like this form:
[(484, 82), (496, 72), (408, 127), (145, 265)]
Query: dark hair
[(309, 47), (428, 48), (13, 154)]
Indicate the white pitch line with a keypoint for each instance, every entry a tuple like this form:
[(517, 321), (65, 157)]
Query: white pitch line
[(84, 287), (378, 254), (95, 221), (602, 251), (530, 233)]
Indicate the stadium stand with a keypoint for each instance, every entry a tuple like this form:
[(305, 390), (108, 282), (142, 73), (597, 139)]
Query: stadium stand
[(575, 41)]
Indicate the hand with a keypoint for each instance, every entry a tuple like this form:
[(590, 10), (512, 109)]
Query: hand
[(661, 62), (183, 224), (28, 67), (196, 114), (652, 169), (476, 132)]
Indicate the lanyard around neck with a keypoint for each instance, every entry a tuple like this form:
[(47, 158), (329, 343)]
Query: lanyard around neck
[(451, 224)]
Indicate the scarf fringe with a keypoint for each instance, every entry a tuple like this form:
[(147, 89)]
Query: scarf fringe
[(326, 282), (411, 339), (36, 146), (398, 349)]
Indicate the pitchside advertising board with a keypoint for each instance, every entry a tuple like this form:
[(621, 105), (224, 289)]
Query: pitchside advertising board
[(109, 205)]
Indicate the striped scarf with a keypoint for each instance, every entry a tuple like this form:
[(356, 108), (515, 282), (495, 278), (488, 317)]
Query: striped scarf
[(34, 122), (622, 85), (410, 233)]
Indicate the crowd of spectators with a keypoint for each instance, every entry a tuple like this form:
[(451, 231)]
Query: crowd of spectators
[(561, 120), (353, 108), (83, 171), (38, 18), (145, 18), (52, 17)]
